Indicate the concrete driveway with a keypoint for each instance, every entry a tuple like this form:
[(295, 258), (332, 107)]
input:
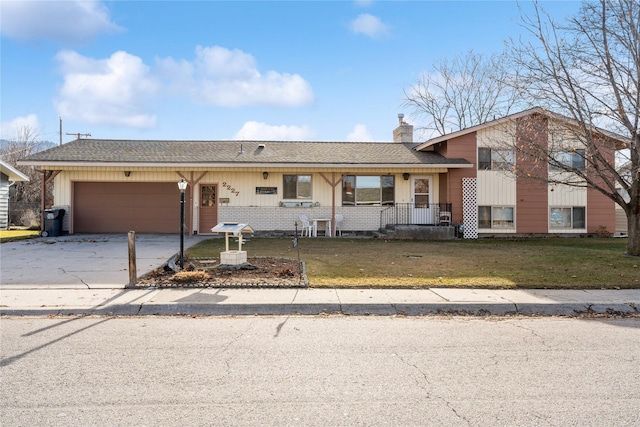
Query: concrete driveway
[(84, 260)]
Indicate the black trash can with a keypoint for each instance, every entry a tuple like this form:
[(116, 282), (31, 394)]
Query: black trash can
[(53, 222)]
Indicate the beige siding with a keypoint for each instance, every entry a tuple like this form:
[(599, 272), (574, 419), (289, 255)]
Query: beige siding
[(564, 195), (502, 136), (262, 211), (4, 202), (496, 188), (622, 226)]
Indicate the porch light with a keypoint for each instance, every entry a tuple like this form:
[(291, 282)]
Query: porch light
[(406, 176), (265, 174), (127, 173)]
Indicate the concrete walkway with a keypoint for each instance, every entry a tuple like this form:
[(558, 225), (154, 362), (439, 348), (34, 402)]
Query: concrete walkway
[(86, 274)]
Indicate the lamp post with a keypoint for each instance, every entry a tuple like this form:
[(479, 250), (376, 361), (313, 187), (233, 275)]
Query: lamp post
[(182, 185)]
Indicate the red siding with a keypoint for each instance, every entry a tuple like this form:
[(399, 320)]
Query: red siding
[(531, 186), (463, 147)]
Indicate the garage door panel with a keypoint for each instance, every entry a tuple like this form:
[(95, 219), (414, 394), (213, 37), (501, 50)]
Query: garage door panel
[(104, 207)]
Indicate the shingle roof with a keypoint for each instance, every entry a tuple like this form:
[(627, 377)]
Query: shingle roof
[(238, 153)]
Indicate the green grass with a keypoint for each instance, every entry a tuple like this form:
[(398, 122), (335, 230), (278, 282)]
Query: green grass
[(568, 263), (11, 235)]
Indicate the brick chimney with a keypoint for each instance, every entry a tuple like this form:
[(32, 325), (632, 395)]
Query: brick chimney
[(404, 131)]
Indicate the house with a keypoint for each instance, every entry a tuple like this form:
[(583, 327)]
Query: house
[(8, 176), (113, 186), (524, 203)]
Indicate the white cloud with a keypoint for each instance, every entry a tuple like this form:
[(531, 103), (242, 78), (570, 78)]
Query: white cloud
[(230, 78), (264, 132), (369, 25), (112, 91), (63, 21), (11, 128), (359, 133)]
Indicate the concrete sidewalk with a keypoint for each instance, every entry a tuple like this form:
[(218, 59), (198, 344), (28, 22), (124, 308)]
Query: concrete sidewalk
[(43, 301)]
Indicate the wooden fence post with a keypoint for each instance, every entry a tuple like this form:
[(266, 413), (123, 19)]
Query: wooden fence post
[(132, 260)]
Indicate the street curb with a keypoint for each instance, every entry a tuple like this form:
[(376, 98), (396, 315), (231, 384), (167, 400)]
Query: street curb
[(383, 309)]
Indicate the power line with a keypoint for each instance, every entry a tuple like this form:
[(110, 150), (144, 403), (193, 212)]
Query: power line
[(78, 135)]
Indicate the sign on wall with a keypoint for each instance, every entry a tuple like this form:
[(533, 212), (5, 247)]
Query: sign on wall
[(266, 190)]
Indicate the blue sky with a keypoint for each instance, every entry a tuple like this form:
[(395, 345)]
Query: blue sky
[(206, 70)]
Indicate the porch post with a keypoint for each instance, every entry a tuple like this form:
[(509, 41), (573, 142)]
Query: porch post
[(333, 183), (333, 206), (192, 183), (42, 201)]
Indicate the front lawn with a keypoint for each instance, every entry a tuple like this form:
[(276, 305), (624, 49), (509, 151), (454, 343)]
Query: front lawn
[(11, 235), (587, 263)]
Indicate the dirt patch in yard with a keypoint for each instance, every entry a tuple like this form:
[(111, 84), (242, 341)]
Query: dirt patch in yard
[(267, 272)]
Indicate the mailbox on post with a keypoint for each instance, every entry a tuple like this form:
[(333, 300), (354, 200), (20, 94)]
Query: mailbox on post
[(231, 257)]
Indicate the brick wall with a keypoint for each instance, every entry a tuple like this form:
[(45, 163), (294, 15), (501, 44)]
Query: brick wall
[(356, 218)]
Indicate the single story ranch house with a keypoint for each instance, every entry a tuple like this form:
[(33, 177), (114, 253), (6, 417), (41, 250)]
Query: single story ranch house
[(114, 186)]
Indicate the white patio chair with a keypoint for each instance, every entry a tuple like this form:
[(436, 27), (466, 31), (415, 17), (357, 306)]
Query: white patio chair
[(445, 218), (307, 227), (339, 219)]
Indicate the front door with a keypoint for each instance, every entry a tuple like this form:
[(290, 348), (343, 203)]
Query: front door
[(208, 217), (420, 195)]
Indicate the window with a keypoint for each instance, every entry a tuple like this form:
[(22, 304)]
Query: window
[(296, 186), (573, 217), (568, 159), (496, 159), (368, 190), (500, 217)]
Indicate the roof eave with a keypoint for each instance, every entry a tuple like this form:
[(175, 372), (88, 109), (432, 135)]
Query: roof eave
[(13, 174), (54, 164)]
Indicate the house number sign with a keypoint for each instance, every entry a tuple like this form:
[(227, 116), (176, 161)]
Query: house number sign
[(230, 188)]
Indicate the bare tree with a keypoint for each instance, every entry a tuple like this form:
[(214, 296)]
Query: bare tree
[(468, 90), (25, 199), (587, 69)]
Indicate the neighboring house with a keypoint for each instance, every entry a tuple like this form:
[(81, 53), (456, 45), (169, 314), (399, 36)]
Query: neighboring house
[(113, 186), (8, 176)]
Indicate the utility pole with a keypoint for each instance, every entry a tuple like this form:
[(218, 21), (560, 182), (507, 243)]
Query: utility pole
[(60, 130), (78, 135)]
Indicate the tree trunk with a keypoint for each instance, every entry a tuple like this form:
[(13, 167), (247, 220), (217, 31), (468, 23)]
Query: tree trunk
[(633, 223)]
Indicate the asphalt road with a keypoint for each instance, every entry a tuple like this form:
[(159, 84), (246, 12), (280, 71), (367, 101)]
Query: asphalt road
[(319, 371)]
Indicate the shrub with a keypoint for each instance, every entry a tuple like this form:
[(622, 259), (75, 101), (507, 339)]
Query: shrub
[(191, 276), (603, 232)]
